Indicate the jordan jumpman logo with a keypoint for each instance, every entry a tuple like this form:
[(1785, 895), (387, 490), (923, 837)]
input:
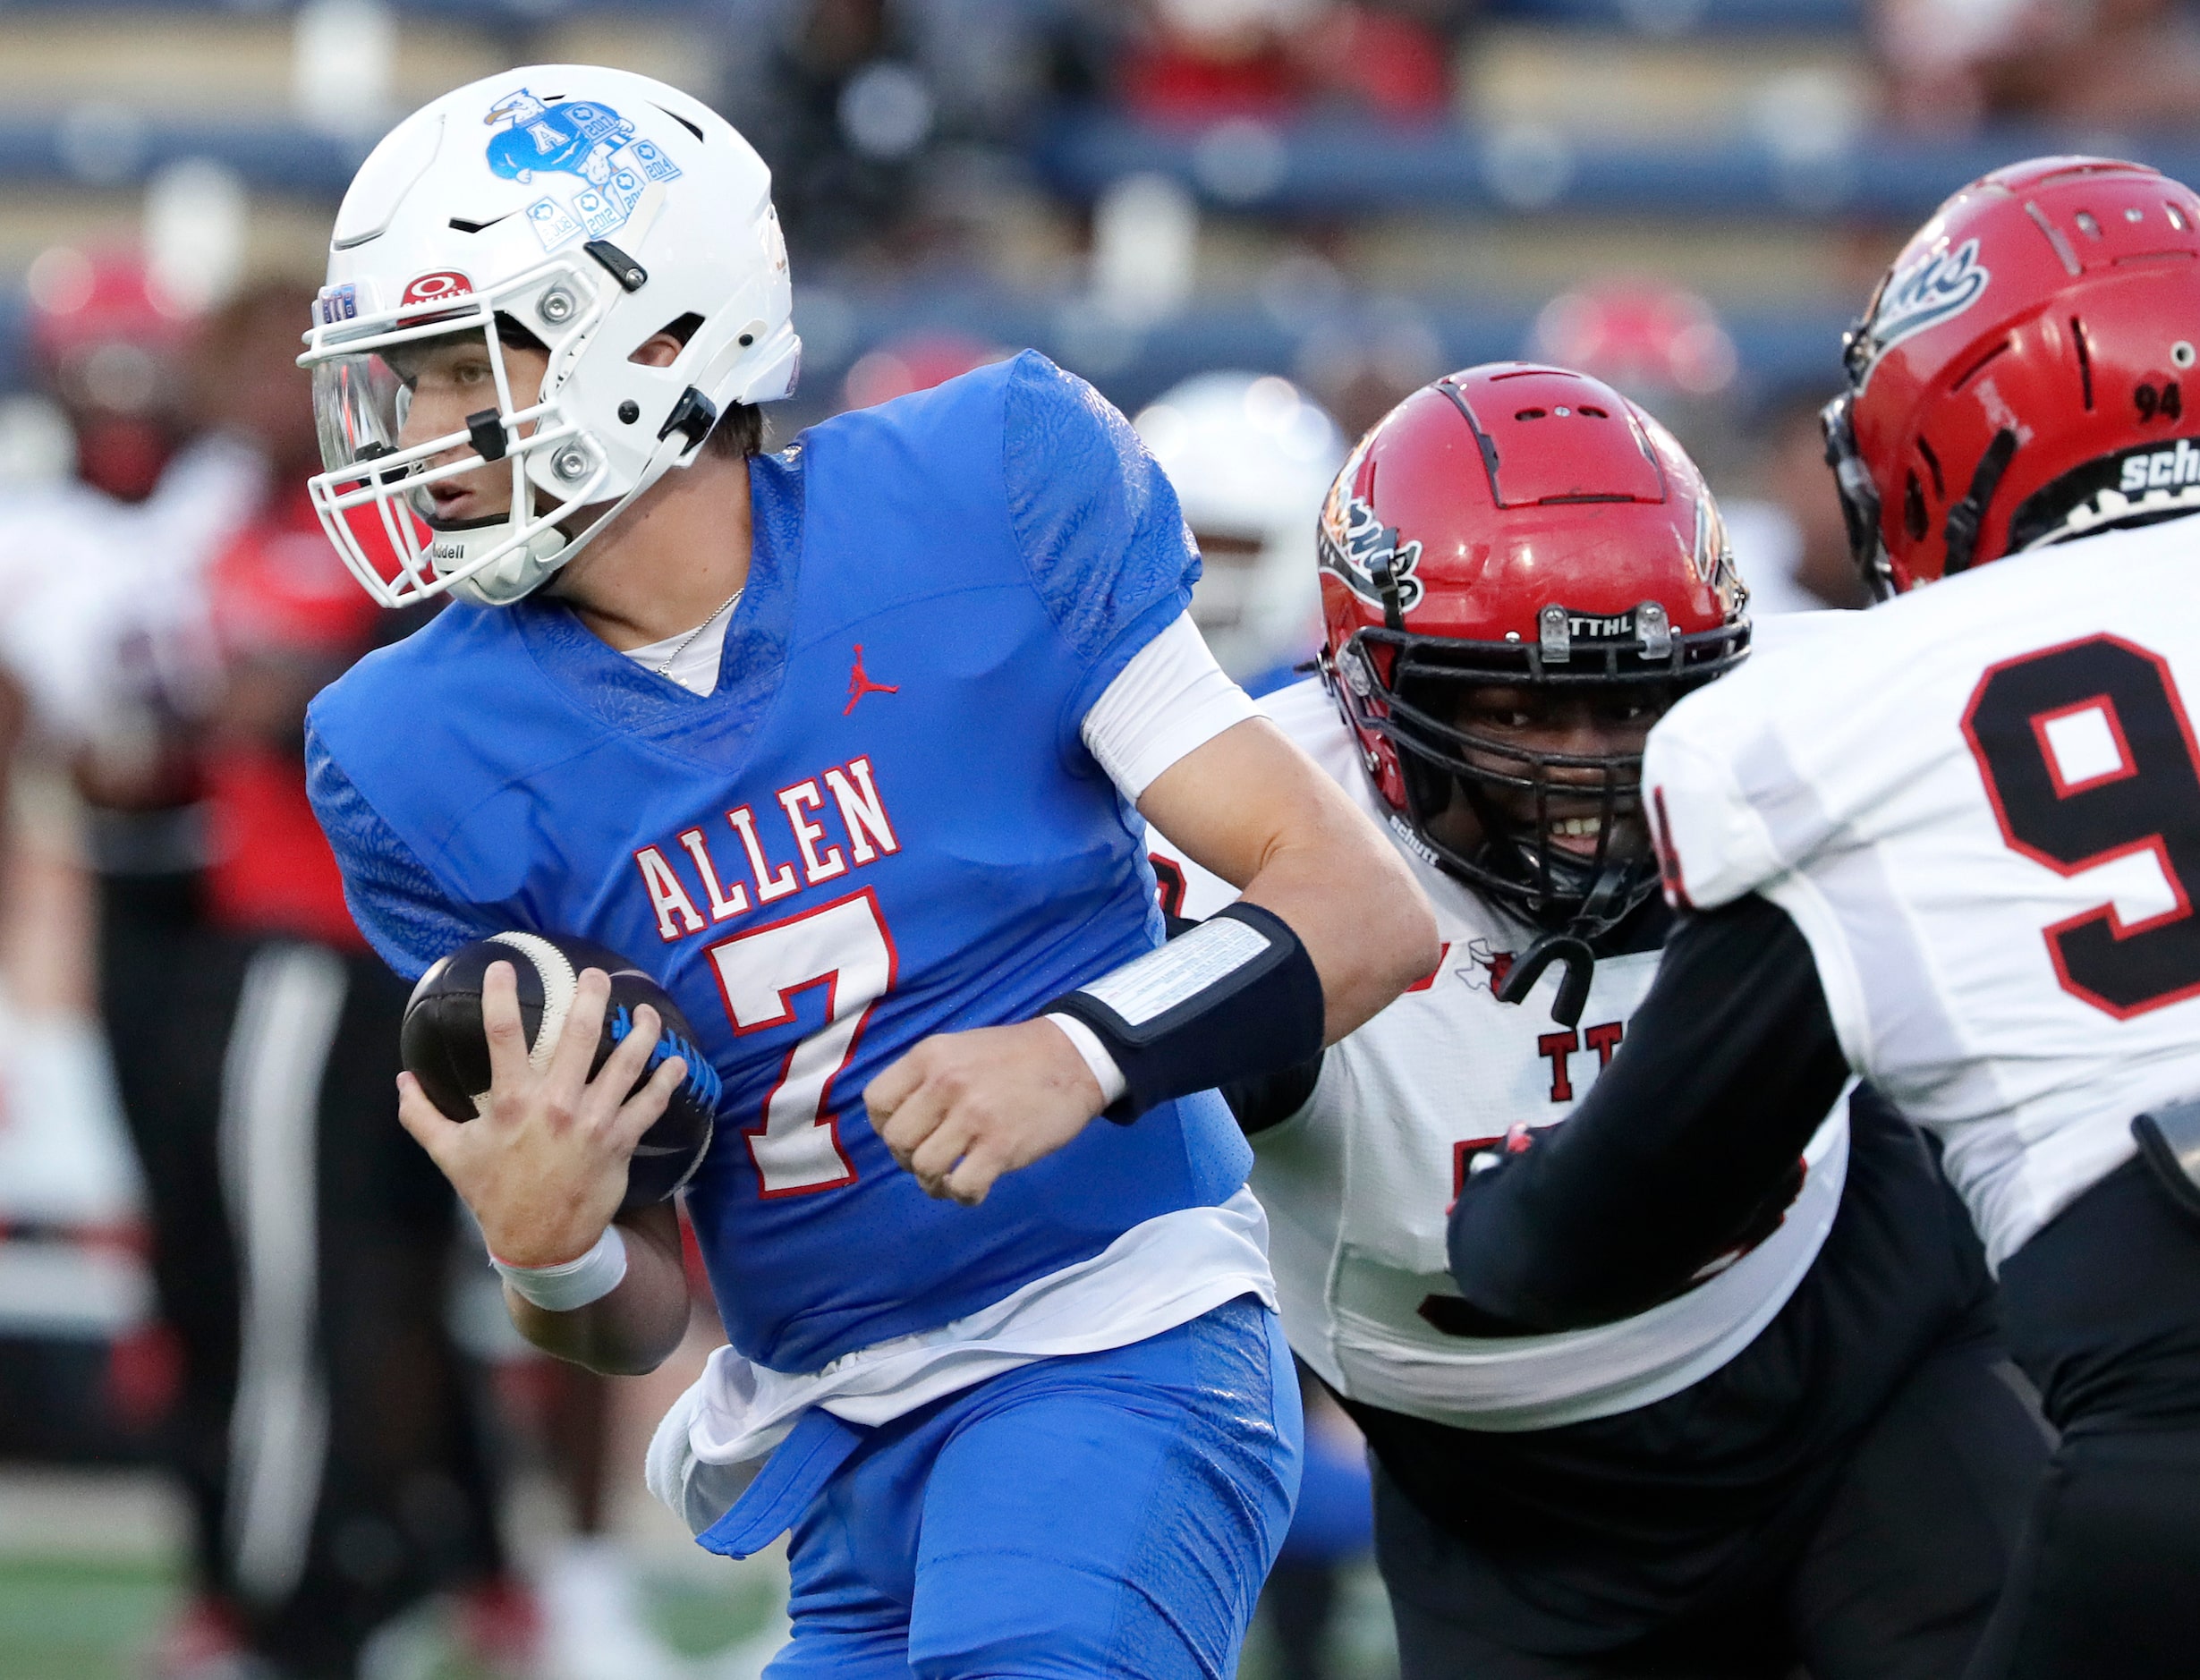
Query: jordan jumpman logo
[(860, 685)]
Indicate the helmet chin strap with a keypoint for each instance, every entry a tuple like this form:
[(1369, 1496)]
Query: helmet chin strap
[(527, 569), (1570, 949), (519, 573)]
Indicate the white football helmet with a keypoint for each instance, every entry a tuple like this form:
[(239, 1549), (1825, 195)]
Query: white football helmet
[(592, 208), (1251, 457)]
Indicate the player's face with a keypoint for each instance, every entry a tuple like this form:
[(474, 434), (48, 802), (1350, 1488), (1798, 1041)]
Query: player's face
[(1582, 722), (443, 381)]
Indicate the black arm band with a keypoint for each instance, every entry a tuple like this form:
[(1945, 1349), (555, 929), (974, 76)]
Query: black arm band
[(1235, 999)]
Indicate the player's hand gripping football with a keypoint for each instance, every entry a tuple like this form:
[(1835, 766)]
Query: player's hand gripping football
[(544, 1168), (963, 1107)]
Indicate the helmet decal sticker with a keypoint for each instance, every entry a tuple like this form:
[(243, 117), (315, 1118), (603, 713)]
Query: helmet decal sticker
[(553, 223), (337, 303), (1354, 542), (1712, 560), (588, 140), (433, 288), (1937, 287), (573, 138)]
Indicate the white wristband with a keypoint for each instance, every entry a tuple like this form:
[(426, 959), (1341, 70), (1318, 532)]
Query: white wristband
[(1087, 1043), (575, 1284)]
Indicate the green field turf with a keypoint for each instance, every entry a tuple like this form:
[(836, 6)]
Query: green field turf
[(93, 1620), (79, 1619)]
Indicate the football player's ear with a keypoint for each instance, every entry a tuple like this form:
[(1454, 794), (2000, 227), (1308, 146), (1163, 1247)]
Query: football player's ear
[(658, 350)]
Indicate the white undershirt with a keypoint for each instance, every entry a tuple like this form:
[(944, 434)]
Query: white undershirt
[(1171, 699), (692, 658)]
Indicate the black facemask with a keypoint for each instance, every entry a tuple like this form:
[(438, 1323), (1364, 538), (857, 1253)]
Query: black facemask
[(1512, 790)]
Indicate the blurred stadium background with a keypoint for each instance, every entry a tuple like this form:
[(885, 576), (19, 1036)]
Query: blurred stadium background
[(1690, 197)]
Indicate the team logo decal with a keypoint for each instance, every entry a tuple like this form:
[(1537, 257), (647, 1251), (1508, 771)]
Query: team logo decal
[(591, 143), (1485, 968), (435, 288), (1355, 546), (1937, 287)]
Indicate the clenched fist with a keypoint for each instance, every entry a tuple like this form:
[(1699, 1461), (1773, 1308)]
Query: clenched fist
[(963, 1107)]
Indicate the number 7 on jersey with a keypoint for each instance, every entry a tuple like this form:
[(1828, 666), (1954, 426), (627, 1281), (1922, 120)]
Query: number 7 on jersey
[(842, 947)]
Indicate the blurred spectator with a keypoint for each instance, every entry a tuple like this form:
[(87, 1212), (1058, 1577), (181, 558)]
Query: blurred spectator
[(1251, 457), (104, 338), (107, 347), (916, 362), (1200, 60), (322, 1428), (834, 100), (1662, 345), (1641, 335), (1789, 541), (2119, 64)]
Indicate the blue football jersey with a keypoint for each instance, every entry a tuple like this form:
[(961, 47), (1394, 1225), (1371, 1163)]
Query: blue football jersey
[(881, 826)]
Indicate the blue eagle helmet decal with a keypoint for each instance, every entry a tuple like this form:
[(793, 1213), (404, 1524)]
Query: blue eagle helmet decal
[(583, 139)]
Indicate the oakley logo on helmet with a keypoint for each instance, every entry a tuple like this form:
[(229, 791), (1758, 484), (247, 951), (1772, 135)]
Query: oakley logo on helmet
[(433, 288), (1358, 545)]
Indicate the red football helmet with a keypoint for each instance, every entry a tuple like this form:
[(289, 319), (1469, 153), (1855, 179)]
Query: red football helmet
[(2018, 375), (108, 343), (1526, 526)]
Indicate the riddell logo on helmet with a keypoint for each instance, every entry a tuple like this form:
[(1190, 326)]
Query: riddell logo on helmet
[(435, 288)]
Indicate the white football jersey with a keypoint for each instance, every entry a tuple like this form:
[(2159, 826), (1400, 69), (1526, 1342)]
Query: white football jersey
[(1359, 1183), (1981, 804)]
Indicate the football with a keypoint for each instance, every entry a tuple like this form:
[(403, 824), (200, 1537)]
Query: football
[(444, 1045)]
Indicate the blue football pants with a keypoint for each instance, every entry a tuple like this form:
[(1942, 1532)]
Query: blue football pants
[(1112, 1514)]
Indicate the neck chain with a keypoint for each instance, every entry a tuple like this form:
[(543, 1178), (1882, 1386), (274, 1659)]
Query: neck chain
[(673, 658)]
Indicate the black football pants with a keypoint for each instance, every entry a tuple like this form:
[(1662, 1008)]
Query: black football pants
[(2104, 1310), (1892, 1576), (325, 1430)]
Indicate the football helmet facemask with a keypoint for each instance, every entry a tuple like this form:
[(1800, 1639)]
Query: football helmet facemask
[(590, 209)]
